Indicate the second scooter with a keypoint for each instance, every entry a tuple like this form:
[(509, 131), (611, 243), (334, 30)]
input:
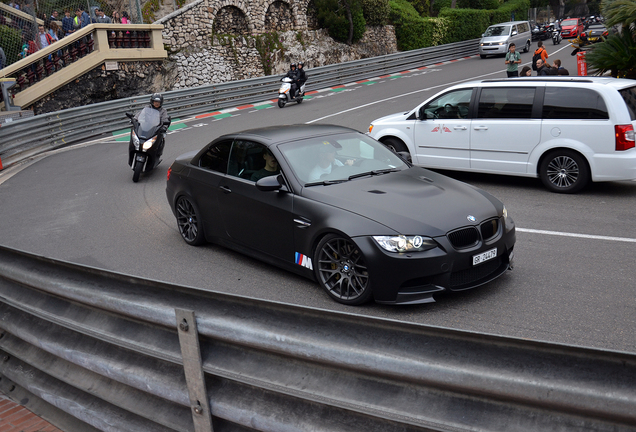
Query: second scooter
[(285, 90)]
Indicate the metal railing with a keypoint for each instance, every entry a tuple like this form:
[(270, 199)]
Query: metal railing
[(25, 138), (115, 352)]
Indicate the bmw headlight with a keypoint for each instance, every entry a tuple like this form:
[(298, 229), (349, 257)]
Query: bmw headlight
[(402, 243), (505, 214), (135, 140), (149, 143)]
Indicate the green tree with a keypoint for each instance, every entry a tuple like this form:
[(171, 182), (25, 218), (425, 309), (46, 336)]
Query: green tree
[(343, 19), (617, 53)]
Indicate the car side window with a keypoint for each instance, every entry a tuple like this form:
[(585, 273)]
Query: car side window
[(451, 105), (573, 103), (216, 157), (246, 159), (506, 102)]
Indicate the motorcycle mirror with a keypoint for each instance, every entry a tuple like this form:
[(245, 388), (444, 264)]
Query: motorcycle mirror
[(576, 50)]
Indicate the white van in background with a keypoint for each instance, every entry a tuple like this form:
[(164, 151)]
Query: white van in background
[(497, 38)]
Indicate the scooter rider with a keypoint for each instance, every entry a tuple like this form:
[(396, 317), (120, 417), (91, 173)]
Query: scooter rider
[(156, 102), (302, 78), (293, 75)]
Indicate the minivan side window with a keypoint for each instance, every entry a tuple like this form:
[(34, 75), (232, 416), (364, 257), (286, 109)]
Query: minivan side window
[(506, 102), (573, 103), (629, 96)]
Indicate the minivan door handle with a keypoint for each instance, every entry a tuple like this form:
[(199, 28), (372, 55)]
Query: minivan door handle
[(460, 128), (481, 128)]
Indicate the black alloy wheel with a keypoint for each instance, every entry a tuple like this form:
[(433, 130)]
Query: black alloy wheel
[(342, 270), (189, 222), (564, 171)]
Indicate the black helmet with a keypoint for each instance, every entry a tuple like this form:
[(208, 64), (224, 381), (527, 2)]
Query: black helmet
[(301, 64), (156, 97), (293, 65)]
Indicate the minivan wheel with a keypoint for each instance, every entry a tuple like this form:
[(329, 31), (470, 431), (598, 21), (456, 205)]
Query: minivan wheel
[(564, 171), (395, 145), (527, 48), (482, 55)]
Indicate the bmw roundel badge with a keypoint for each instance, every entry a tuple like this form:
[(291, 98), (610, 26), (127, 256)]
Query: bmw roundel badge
[(471, 218)]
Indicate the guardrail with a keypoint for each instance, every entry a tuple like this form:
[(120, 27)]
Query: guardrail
[(25, 138), (114, 352)]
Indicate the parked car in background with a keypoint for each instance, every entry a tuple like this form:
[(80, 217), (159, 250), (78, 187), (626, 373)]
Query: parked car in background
[(333, 204), (572, 27), (593, 33), (567, 131), (497, 38)]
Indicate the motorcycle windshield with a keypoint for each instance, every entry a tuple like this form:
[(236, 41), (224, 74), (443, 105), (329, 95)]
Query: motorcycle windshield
[(149, 122)]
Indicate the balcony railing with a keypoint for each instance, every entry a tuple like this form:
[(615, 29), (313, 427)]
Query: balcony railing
[(48, 69)]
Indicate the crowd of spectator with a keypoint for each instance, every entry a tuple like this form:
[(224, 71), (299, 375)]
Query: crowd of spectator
[(55, 27)]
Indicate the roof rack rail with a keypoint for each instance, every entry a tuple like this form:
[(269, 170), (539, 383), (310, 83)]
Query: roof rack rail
[(535, 79)]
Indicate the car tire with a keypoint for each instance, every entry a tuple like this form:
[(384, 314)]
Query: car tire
[(341, 270), (564, 171), (527, 48), (189, 221), (482, 56), (395, 145), (137, 171), (281, 103)]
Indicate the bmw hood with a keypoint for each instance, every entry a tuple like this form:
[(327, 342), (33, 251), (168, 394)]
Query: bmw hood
[(410, 202)]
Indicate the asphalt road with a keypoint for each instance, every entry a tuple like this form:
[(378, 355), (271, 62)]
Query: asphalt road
[(574, 277)]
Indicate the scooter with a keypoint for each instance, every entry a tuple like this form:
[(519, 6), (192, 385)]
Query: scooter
[(146, 141), (284, 93), (556, 36)]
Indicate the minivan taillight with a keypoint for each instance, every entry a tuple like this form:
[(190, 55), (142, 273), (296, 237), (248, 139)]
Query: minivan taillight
[(624, 137)]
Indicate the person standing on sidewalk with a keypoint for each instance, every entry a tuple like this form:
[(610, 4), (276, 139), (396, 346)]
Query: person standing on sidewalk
[(513, 59)]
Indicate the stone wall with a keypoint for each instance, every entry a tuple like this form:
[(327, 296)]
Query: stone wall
[(100, 85)]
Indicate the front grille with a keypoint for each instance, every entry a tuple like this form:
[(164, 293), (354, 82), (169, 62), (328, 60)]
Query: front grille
[(464, 237), (465, 278), (489, 229)]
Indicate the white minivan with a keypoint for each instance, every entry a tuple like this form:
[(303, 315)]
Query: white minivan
[(567, 131), (497, 38)]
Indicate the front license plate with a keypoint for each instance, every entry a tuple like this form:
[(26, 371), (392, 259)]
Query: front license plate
[(484, 256)]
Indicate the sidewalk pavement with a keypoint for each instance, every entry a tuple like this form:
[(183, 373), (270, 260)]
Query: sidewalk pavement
[(16, 418)]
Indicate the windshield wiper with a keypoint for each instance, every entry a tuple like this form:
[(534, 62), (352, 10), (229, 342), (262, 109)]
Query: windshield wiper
[(374, 172), (325, 182)]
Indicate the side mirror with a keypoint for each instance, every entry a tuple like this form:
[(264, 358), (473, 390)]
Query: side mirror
[(167, 122), (514, 33), (130, 115), (269, 183), (576, 50)]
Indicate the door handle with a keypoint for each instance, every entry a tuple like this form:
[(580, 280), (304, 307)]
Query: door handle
[(225, 189), (481, 127), (460, 128)]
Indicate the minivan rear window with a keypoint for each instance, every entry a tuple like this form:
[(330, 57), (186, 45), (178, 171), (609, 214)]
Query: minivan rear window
[(573, 103), (629, 96)]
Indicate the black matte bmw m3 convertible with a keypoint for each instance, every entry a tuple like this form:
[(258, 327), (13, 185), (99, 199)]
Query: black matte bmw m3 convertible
[(334, 205)]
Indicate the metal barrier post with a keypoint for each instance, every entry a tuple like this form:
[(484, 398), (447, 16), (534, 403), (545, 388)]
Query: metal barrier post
[(191, 354), (7, 84)]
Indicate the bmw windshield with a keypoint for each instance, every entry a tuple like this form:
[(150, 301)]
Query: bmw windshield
[(338, 158)]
